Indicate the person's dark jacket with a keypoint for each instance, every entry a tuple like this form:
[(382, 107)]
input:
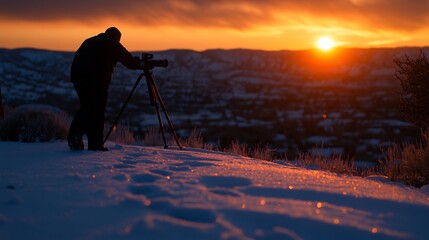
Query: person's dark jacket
[(96, 58)]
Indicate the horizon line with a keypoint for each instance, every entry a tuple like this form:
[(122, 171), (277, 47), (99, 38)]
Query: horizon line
[(227, 49)]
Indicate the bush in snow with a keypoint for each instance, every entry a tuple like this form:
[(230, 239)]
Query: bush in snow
[(33, 123), (264, 153), (194, 140), (408, 163), (153, 137), (414, 77), (237, 148), (120, 134), (332, 163), (259, 152)]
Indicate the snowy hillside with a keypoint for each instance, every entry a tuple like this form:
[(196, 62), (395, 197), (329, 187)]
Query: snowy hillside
[(291, 100), (132, 192)]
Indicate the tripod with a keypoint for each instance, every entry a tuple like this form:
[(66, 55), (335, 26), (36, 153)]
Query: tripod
[(156, 101)]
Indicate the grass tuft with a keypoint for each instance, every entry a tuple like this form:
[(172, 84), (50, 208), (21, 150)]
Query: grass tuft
[(408, 163)]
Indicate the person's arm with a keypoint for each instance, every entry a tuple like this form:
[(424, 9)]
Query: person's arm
[(125, 57)]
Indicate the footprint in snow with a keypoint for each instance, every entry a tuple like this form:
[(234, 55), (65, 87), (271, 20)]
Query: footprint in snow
[(193, 214), (150, 191), (135, 155), (132, 162), (194, 164), (225, 192), (162, 172), (176, 168), (147, 161), (224, 181), (145, 178), (123, 166), (121, 177)]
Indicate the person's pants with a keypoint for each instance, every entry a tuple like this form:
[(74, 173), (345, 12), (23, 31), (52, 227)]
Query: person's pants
[(89, 119)]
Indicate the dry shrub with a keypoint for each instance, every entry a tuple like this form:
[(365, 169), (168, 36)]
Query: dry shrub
[(237, 148), (120, 134), (332, 163), (194, 140), (153, 137), (35, 123), (264, 153), (259, 152), (413, 74), (408, 162)]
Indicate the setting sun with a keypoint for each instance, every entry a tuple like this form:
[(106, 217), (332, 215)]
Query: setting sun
[(325, 43)]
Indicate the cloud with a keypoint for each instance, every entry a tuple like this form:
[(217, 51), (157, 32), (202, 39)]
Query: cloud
[(403, 15)]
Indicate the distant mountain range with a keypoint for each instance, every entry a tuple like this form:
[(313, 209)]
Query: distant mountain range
[(343, 101)]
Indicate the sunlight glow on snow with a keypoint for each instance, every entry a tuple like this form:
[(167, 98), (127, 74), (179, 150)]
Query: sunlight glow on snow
[(142, 202)]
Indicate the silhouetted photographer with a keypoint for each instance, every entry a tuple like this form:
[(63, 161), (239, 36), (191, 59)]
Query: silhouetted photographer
[(91, 74)]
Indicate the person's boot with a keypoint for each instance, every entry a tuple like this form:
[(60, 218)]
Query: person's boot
[(75, 143)]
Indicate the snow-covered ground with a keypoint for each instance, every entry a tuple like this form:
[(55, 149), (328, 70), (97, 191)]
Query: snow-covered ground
[(133, 192)]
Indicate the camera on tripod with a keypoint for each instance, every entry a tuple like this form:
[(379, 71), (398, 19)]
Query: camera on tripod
[(147, 62)]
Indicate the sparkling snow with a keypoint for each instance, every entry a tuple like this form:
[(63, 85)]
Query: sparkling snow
[(132, 192)]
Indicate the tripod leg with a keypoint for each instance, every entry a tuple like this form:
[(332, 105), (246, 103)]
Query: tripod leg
[(155, 98), (158, 96), (161, 125), (123, 107)]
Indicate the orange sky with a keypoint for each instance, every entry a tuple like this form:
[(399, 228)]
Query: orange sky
[(199, 25)]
